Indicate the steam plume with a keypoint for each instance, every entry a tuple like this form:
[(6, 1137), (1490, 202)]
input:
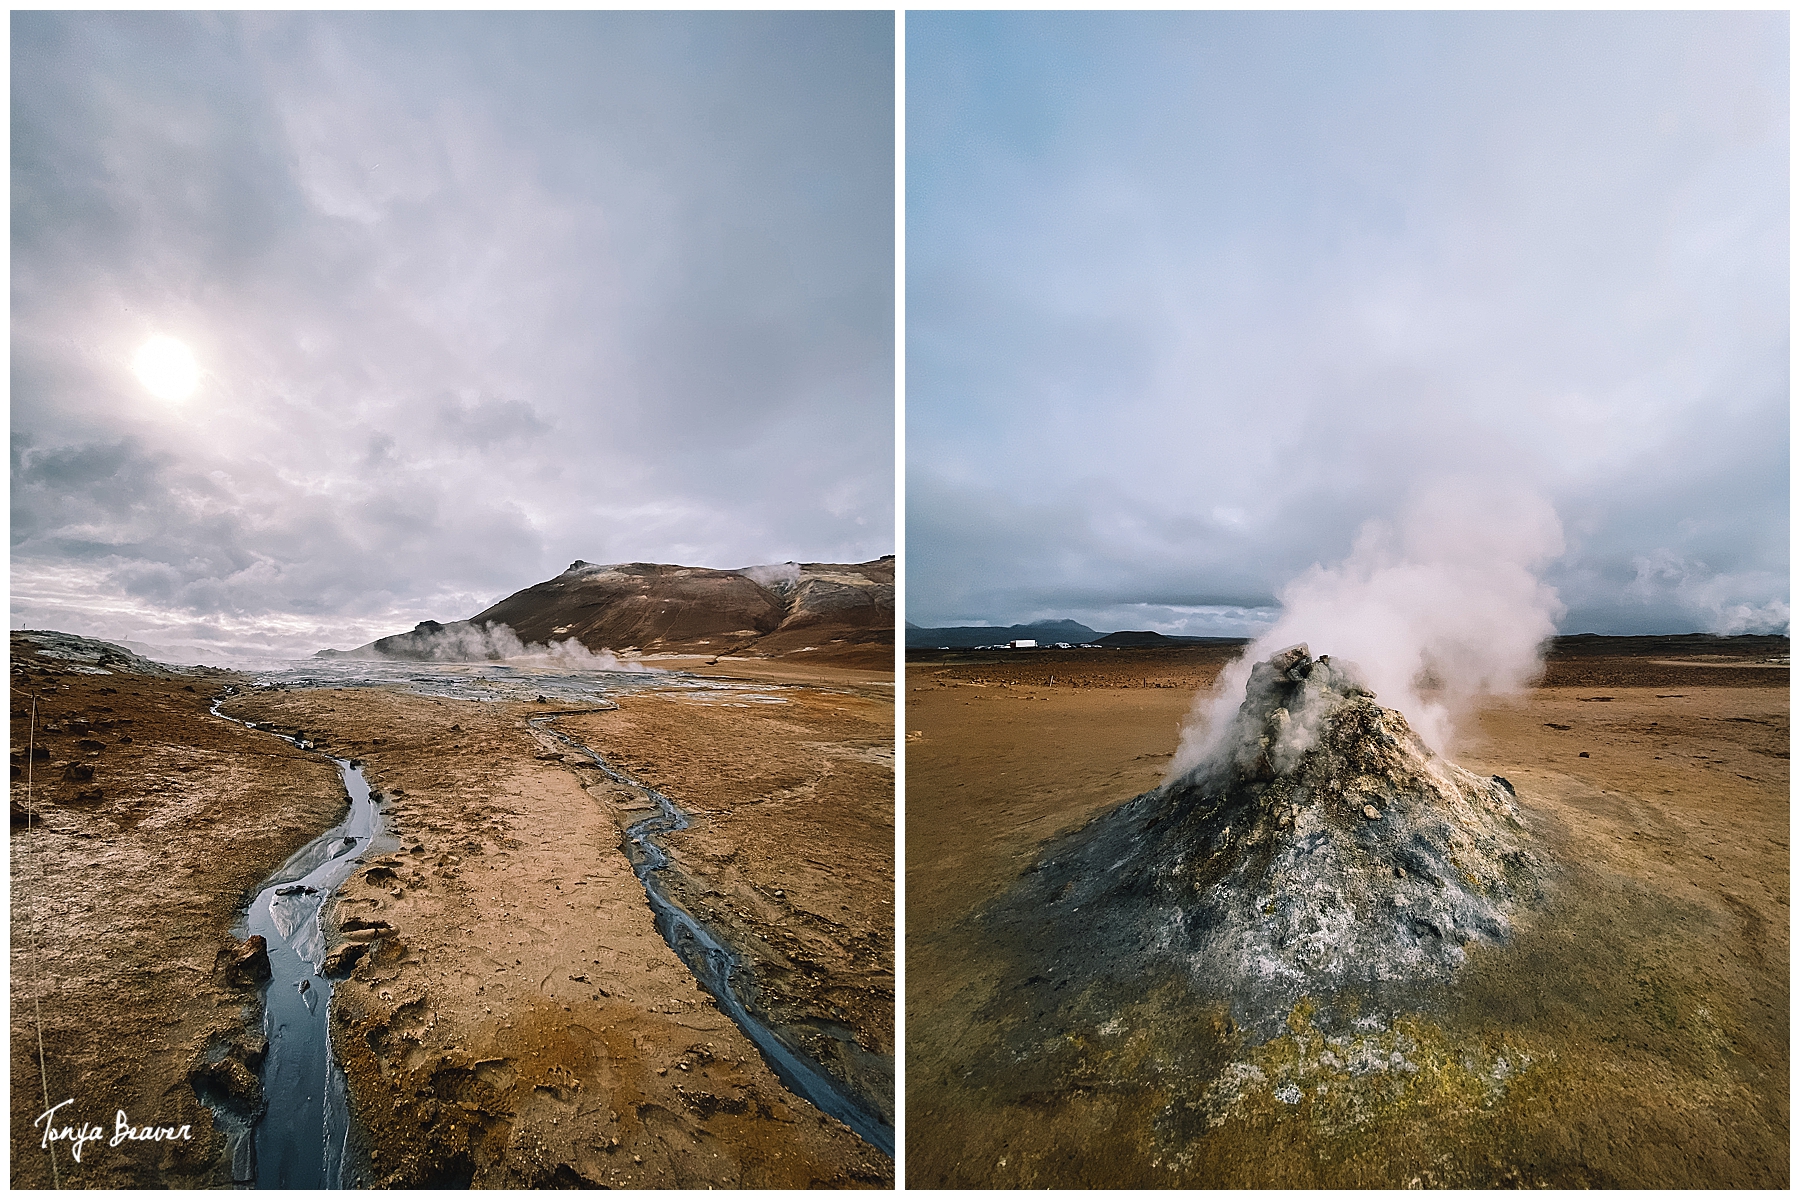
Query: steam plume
[(1433, 611), (462, 641)]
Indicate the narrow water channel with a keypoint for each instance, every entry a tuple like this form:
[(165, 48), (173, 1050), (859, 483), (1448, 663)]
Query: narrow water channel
[(300, 1139), (714, 964)]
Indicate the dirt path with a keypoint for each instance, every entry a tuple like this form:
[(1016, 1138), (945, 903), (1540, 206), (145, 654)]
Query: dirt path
[(1632, 1034)]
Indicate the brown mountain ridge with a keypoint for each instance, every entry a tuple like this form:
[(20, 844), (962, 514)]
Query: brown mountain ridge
[(835, 611)]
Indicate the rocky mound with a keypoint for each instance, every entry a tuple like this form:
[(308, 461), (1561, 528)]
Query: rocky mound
[(79, 655), (1321, 850), (827, 610)]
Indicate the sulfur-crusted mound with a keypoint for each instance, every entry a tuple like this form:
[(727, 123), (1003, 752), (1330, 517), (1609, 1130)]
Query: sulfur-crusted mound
[(1322, 849)]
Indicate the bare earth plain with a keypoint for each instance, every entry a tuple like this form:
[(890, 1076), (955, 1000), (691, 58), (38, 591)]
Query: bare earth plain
[(1632, 1031), (517, 1020)]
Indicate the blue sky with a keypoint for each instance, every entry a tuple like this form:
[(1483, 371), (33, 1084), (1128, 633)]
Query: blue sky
[(472, 296), (1193, 296)]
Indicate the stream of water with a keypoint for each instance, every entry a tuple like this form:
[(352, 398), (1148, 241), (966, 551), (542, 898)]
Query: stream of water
[(714, 964), (300, 1139)]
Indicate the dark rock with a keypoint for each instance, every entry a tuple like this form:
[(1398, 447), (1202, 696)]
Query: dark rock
[(79, 772), (228, 1083), (252, 1049), (339, 962), (246, 963), (87, 796)]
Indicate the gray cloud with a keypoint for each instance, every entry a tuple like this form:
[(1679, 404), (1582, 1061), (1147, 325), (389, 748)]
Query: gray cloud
[(1192, 296), (474, 295)]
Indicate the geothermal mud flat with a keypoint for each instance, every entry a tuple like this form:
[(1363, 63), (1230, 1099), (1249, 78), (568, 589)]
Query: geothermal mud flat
[(502, 1005), (1626, 1023)]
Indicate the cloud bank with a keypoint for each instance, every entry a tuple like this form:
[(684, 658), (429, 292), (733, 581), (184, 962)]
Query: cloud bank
[(1193, 296), (472, 295)]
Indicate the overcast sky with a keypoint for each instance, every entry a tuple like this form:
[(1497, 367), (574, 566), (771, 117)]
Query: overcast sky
[(1192, 296), (472, 296)]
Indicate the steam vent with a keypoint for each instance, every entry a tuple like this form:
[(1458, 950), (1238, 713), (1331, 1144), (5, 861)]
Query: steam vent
[(1323, 850)]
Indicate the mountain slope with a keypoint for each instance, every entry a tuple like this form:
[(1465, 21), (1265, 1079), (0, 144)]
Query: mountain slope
[(828, 610)]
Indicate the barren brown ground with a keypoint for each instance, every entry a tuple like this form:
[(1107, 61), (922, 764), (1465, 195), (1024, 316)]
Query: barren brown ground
[(1643, 1007), (791, 851), (517, 1021), (520, 1022), (122, 902)]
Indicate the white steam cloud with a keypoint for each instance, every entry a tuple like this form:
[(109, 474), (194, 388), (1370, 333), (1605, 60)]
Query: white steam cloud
[(780, 578), (1711, 596), (464, 642), (1432, 611)]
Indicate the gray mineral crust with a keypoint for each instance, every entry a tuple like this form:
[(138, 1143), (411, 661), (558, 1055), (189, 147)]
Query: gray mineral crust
[(1322, 849)]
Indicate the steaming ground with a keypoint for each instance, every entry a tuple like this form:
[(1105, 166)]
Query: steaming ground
[(516, 1020), (1629, 1029)]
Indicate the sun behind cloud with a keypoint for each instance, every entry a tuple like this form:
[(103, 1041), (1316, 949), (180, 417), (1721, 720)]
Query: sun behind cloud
[(167, 367)]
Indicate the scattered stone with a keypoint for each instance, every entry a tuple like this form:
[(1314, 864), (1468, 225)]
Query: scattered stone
[(246, 963), (1370, 812), (340, 960), (229, 1083), (253, 1048)]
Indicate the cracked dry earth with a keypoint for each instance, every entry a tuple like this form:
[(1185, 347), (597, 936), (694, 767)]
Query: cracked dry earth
[(517, 1021), (1631, 1031)]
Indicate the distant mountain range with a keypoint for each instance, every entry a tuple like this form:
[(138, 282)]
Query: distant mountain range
[(1045, 633), (832, 611)]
